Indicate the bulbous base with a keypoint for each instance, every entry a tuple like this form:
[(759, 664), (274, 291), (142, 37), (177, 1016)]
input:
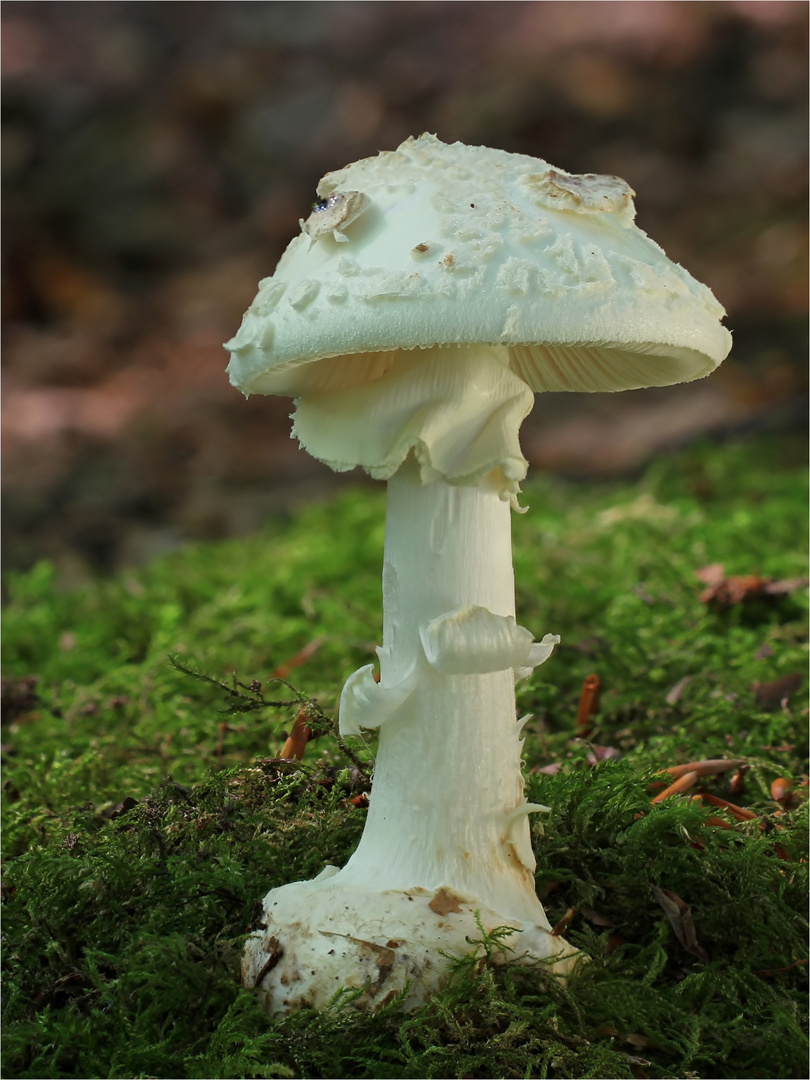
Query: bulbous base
[(321, 936)]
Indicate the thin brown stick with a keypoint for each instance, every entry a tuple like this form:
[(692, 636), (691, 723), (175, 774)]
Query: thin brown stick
[(739, 812), (588, 705), (683, 783), (709, 767), (299, 737)]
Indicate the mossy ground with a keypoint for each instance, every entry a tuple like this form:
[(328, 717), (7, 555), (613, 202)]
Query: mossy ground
[(145, 815)]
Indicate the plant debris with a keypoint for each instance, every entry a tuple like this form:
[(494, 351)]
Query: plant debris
[(679, 916), (724, 592), (776, 694)]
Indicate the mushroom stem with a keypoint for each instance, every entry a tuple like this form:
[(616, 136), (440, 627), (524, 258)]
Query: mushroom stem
[(447, 805), (446, 850)]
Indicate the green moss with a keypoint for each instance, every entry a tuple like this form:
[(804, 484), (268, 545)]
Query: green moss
[(145, 815)]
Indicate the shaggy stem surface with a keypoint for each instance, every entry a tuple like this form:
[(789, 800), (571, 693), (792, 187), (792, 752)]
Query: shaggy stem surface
[(447, 806), (446, 851)]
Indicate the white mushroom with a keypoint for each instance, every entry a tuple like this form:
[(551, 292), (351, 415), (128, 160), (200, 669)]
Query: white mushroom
[(414, 324)]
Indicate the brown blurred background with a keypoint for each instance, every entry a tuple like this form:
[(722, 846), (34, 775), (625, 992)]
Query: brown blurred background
[(157, 157)]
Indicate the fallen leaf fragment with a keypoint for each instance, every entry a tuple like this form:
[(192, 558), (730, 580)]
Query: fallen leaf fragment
[(121, 808), (674, 693), (595, 918), (679, 917), (639, 1042), (723, 592), (597, 754), (614, 942), (564, 922), (19, 696), (774, 695)]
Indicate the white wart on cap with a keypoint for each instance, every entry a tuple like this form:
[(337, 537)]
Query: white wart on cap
[(435, 288), (452, 244)]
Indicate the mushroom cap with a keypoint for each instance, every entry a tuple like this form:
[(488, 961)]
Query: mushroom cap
[(437, 244)]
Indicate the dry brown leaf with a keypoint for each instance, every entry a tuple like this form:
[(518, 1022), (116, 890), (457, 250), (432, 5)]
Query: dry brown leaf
[(774, 695), (614, 942), (121, 808), (548, 770), (596, 754), (19, 696), (595, 918), (674, 693), (564, 922), (723, 592), (639, 1042), (679, 917)]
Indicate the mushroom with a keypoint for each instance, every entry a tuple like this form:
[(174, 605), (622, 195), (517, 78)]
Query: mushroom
[(432, 291)]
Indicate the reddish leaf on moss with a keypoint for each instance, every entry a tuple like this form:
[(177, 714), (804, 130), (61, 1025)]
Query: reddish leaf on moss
[(548, 770), (597, 754)]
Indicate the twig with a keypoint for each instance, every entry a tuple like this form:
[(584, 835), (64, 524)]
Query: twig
[(588, 705), (299, 737), (683, 783)]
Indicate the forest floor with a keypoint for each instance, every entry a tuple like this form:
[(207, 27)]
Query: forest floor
[(146, 809)]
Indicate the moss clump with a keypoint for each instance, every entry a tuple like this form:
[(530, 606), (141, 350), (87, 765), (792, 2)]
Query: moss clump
[(146, 815)]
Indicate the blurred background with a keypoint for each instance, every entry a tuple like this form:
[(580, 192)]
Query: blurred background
[(157, 158)]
